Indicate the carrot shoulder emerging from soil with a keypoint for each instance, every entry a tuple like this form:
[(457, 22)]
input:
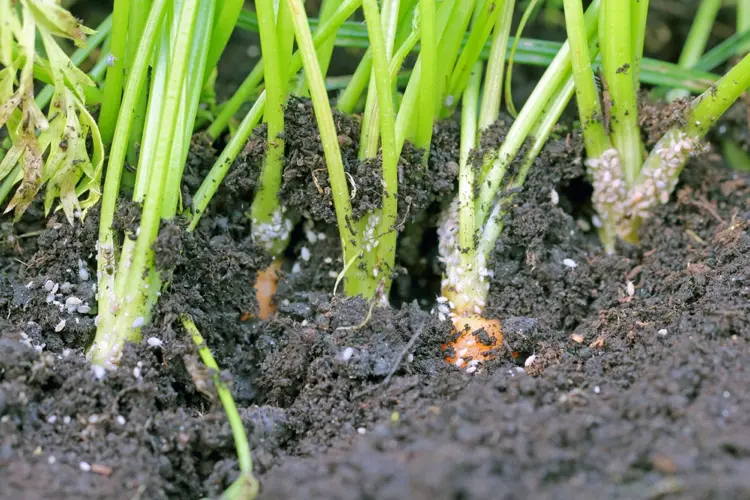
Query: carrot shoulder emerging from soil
[(265, 290), (476, 339)]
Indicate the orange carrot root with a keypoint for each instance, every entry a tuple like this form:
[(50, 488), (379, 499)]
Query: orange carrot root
[(467, 350), (265, 290)]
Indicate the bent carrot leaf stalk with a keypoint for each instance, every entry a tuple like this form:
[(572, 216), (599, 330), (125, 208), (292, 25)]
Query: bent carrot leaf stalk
[(246, 486)]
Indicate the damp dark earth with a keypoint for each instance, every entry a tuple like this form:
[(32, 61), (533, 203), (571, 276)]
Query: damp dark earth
[(623, 375)]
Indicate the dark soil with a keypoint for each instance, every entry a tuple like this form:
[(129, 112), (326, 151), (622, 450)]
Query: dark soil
[(622, 396), (623, 376)]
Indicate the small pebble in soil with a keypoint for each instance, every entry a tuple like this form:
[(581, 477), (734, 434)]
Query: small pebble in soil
[(84, 466), (597, 389), (305, 254), (120, 420), (570, 263), (51, 460), (630, 288), (361, 431), (59, 327), (48, 285), (662, 333)]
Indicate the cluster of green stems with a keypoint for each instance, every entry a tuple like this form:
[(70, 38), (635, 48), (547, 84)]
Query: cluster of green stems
[(160, 55), (628, 181)]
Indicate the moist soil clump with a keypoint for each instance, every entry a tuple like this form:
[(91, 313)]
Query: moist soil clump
[(622, 376)]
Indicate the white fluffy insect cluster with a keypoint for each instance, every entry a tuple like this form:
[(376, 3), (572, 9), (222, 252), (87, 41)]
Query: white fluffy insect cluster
[(371, 237), (614, 200), (610, 190), (278, 229), (659, 178), (464, 289)]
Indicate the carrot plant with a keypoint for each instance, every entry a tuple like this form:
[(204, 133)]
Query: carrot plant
[(422, 61), (175, 42), (628, 181)]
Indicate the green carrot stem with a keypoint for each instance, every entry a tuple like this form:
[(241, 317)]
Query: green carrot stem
[(485, 17), (589, 109), (225, 19), (700, 30), (369, 137), (199, 47), (109, 339), (511, 58), (493, 81), (466, 182), (387, 232), (106, 338), (265, 205), (325, 50), (618, 63), (349, 97), (542, 130), (449, 46), (218, 171), (113, 84), (697, 40), (494, 171), (154, 112), (251, 82), (136, 22), (327, 129), (638, 18), (142, 264), (244, 457), (707, 108), (428, 56), (408, 112)]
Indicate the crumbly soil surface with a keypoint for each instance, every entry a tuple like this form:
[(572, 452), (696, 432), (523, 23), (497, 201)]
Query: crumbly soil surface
[(622, 376)]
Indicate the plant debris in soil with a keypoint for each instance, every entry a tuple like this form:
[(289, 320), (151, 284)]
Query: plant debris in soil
[(622, 376)]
